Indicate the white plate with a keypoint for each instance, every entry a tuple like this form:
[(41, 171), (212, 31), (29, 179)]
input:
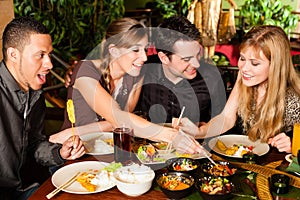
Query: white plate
[(174, 154), (289, 158), (68, 171), (229, 140), (95, 145)]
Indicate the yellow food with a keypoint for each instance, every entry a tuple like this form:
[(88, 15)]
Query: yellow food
[(184, 155), (70, 111), (231, 150), (85, 180), (221, 145), (109, 141)]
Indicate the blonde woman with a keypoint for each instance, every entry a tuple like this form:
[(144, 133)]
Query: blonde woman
[(266, 96), (106, 90)]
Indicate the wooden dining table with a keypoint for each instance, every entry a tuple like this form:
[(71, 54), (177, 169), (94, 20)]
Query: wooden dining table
[(114, 193)]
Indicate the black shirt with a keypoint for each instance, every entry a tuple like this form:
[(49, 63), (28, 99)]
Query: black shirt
[(203, 97)]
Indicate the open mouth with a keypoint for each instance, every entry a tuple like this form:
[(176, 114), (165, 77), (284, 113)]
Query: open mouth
[(42, 78)]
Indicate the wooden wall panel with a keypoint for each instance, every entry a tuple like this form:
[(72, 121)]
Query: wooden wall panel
[(6, 15)]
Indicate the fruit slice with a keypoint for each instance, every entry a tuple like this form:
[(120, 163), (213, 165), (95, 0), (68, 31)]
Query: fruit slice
[(221, 145)]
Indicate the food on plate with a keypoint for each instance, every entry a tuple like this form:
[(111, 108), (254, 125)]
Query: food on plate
[(85, 179), (160, 145), (217, 185), (109, 141), (112, 167), (235, 149), (238, 150), (147, 153), (92, 179), (221, 145)]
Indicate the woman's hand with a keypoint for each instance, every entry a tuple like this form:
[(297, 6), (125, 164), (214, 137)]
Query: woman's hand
[(72, 148), (61, 136), (189, 127), (282, 142), (184, 143)]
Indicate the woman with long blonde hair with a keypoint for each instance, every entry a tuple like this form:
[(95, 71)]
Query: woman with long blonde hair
[(266, 96)]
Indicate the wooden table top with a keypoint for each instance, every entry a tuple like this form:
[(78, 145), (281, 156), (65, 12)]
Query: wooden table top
[(114, 193)]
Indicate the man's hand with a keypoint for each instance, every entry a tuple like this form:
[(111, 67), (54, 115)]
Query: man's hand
[(72, 148), (68, 74)]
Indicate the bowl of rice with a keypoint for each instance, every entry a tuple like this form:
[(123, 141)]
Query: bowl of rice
[(134, 180)]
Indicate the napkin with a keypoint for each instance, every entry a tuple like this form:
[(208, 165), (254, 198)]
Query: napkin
[(293, 166)]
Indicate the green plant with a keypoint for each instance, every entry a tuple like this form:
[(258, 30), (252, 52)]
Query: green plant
[(170, 8), (268, 12), (76, 26)]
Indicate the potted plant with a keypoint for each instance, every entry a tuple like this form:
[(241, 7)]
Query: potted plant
[(268, 12)]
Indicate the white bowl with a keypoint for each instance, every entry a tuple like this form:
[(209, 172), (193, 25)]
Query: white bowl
[(134, 180)]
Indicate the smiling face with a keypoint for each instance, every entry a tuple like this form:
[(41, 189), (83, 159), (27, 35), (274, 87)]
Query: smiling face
[(33, 64), (130, 60), (254, 67), (184, 62)]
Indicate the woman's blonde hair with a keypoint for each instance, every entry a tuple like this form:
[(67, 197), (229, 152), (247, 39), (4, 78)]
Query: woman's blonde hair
[(267, 119), (123, 33)]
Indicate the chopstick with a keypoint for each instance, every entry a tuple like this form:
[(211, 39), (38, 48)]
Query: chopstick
[(180, 116), (169, 147), (211, 160), (61, 187)]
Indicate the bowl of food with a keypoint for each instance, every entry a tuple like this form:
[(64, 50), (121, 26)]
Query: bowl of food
[(221, 169), (214, 188), (182, 164), (134, 180), (175, 185)]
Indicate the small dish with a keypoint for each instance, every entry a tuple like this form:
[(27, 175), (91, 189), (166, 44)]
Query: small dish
[(175, 185), (214, 188), (187, 165), (134, 180), (222, 169), (280, 183)]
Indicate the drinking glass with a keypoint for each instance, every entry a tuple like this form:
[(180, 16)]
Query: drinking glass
[(296, 139), (122, 144)]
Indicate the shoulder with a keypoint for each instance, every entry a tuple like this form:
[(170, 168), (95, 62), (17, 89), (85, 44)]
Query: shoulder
[(209, 70), (292, 96), (87, 68), (153, 71)]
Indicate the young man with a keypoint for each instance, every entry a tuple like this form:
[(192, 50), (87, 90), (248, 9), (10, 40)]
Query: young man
[(27, 47), (180, 78)]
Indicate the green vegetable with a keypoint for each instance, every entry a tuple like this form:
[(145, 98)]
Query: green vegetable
[(112, 167)]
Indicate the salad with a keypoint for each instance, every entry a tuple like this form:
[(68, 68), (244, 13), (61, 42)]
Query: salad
[(148, 154)]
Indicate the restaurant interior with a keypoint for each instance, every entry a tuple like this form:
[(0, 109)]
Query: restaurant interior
[(70, 41)]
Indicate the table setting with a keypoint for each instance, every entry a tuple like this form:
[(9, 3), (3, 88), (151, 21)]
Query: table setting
[(109, 170)]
